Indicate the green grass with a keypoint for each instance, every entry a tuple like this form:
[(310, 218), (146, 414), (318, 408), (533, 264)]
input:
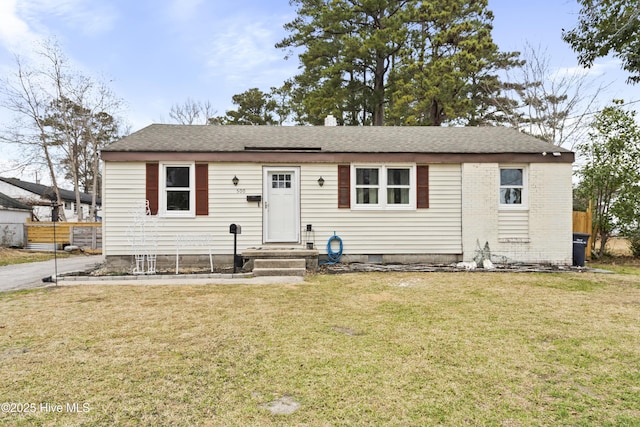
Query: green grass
[(16, 256), (352, 349)]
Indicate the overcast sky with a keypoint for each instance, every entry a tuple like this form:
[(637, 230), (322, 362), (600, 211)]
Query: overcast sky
[(160, 52)]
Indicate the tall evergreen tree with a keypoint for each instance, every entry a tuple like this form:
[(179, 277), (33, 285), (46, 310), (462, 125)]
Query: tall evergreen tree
[(448, 67), (349, 46), (404, 62), (254, 108)]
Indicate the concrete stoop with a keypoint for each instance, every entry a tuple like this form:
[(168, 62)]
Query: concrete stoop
[(279, 267), (267, 253)]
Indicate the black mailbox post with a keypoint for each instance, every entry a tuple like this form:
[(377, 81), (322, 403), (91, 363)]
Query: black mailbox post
[(235, 230)]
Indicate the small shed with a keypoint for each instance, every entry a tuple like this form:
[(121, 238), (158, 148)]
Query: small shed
[(13, 216)]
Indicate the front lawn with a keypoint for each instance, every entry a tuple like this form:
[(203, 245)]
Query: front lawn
[(10, 256), (399, 349)]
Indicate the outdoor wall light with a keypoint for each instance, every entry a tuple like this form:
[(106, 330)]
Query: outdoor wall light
[(235, 180), (321, 181)]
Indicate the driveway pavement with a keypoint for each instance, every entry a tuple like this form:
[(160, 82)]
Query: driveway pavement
[(30, 275)]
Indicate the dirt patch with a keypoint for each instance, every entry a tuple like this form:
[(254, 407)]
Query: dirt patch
[(286, 405), (619, 246)]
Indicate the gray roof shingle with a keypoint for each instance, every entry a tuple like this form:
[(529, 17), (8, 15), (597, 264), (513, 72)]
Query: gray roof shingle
[(47, 191), (332, 139), (11, 203)]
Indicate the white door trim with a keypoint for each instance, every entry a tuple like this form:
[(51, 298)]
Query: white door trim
[(270, 235)]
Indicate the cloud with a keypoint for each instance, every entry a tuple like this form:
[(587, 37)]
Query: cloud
[(14, 31), (22, 22), (239, 50), (184, 10), (596, 70), (87, 17)]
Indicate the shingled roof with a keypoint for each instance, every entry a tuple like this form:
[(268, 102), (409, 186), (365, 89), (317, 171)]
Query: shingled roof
[(46, 192), (331, 139), (11, 203)]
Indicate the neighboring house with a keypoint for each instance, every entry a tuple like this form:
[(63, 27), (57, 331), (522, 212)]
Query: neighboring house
[(39, 197), (13, 216), (393, 194)]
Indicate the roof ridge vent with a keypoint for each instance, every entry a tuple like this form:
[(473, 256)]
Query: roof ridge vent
[(330, 120)]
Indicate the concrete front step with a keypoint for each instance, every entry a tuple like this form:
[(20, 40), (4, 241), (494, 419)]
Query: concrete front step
[(250, 255), (279, 263), (279, 267)]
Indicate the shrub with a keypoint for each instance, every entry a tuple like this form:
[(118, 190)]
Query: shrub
[(635, 244)]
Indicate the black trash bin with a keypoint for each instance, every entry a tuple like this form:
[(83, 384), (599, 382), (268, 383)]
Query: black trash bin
[(580, 242)]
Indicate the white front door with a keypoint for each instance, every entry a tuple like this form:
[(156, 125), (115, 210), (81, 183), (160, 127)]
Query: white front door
[(281, 220)]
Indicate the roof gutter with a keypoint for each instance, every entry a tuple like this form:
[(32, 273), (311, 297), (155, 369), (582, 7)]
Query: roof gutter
[(328, 157)]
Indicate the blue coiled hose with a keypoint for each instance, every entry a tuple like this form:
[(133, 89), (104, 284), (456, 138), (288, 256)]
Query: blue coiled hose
[(334, 257)]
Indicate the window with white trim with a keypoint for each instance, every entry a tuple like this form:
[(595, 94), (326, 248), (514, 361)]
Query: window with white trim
[(384, 186), (367, 186), (513, 187), (177, 183), (398, 186)]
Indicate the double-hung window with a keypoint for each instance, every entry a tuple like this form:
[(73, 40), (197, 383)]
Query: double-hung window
[(178, 189), (513, 187), (384, 187), (398, 186), (367, 186)]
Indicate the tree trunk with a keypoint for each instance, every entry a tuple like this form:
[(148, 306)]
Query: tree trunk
[(434, 114), (378, 93), (76, 186), (94, 189), (54, 184)]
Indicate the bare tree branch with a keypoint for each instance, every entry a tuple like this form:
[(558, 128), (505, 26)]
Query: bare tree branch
[(192, 112), (554, 103)]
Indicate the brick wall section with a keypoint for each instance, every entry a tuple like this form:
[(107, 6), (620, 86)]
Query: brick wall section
[(550, 212), (549, 209)]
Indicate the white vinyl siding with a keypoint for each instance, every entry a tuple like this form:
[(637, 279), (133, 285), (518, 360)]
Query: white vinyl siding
[(227, 204), (124, 187), (436, 230), (464, 212)]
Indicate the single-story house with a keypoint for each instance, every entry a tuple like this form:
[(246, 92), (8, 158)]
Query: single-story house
[(392, 194), (39, 197), (13, 216)]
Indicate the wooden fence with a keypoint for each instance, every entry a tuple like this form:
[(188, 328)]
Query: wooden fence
[(87, 235), (582, 223)]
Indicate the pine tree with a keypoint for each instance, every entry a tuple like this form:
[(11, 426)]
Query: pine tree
[(404, 62)]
